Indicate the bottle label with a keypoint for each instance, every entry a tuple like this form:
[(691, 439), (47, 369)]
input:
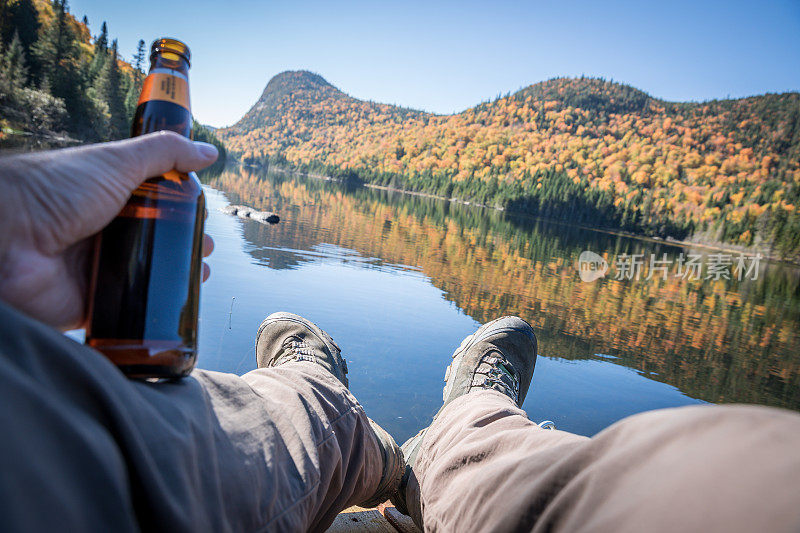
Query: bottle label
[(168, 86)]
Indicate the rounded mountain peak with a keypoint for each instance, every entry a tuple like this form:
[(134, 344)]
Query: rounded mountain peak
[(292, 81)]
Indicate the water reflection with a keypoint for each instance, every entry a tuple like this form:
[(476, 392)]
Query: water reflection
[(399, 280)]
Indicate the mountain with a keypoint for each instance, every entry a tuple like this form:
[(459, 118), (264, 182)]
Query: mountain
[(585, 150), (303, 95)]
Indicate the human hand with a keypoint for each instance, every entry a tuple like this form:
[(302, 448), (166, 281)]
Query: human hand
[(52, 203)]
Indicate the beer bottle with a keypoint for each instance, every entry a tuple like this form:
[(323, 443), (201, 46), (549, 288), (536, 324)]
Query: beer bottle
[(145, 284)]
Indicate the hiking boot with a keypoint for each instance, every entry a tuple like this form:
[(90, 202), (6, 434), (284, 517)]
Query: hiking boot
[(285, 337), (499, 356)]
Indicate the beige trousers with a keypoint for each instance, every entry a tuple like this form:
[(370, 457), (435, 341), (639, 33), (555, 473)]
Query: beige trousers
[(82, 448), (483, 466), (285, 449)]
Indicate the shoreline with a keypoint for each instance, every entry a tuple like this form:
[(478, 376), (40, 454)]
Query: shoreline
[(673, 242), (670, 241)]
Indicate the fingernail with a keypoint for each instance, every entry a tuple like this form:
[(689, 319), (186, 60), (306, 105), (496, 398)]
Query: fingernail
[(206, 150)]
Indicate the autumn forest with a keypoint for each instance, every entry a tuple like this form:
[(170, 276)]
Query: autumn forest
[(587, 150), (593, 152), (61, 85)]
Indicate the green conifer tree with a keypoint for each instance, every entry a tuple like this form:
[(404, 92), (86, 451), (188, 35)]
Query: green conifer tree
[(108, 90), (13, 71), (58, 54), (20, 17), (135, 87), (100, 52)]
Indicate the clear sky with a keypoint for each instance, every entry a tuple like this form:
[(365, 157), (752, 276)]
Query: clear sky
[(447, 56)]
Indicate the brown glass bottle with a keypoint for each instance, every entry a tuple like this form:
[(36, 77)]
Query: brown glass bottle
[(145, 286)]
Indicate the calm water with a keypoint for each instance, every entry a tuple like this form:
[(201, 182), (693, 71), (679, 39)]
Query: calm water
[(399, 280)]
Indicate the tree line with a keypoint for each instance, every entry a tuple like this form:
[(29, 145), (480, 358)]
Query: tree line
[(57, 79), (581, 149)]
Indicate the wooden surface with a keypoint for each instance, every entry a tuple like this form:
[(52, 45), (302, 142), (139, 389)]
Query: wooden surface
[(360, 519), (382, 519)]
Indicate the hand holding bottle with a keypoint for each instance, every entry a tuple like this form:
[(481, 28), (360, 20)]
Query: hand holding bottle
[(53, 203)]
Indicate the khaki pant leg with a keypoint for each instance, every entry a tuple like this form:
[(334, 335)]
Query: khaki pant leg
[(484, 466), (83, 448)]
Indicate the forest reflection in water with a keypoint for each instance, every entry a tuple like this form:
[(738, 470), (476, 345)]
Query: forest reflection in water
[(398, 280)]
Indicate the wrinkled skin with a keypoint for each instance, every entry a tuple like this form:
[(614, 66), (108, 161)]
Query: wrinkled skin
[(52, 203)]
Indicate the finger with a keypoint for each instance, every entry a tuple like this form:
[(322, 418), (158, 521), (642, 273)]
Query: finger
[(162, 151), (134, 160), (208, 245), (131, 161), (206, 272), (128, 162)]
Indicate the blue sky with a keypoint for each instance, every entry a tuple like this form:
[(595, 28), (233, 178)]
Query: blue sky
[(447, 56)]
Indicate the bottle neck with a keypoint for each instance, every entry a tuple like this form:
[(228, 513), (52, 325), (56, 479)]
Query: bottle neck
[(164, 100), (169, 61)]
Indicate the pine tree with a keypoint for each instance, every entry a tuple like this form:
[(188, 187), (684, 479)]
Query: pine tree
[(100, 52), (101, 41), (20, 17), (59, 55), (108, 90), (26, 23), (132, 96), (32, 109), (140, 57), (13, 72)]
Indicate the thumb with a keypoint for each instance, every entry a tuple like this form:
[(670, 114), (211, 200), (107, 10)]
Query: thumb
[(134, 160), (160, 152)]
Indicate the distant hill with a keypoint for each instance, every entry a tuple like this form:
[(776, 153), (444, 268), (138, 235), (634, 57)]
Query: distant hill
[(586, 150), (296, 95)]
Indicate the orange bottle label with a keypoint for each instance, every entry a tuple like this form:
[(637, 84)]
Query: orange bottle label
[(167, 87)]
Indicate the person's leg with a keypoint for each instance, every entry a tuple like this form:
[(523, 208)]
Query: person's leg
[(83, 448), (498, 360), (305, 445), (467, 467), (304, 375), (482, 465), (711, 468)]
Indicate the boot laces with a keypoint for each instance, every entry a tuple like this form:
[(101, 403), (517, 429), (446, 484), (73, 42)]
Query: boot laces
[(495, 372), (294, 349)]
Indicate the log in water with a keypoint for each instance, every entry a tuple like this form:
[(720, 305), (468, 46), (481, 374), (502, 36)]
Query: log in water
[(242, 211)]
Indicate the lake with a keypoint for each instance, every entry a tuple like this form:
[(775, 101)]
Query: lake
[(399, 280)]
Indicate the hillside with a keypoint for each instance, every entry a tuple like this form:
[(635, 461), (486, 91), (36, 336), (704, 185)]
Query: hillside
[(586, 150), (58, 80), (61, 85)]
